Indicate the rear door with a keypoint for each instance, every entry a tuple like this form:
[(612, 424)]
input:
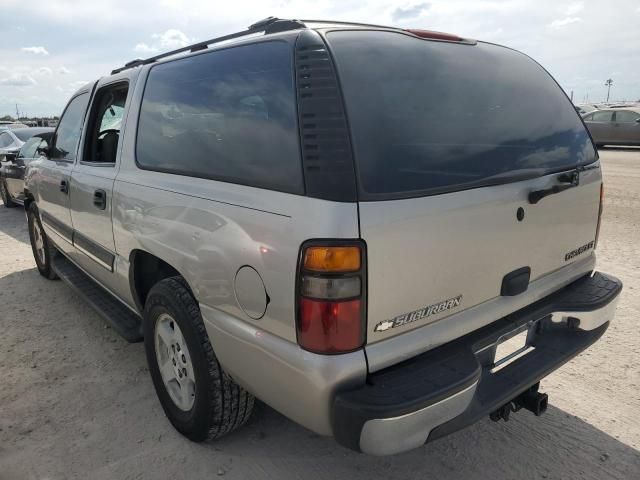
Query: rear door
[(92, 180), (627, 127), (54, 172), (449, 140)]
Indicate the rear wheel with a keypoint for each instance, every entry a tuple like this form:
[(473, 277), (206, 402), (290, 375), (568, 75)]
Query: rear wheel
[(43, 249), (199, 398), (4, 193)]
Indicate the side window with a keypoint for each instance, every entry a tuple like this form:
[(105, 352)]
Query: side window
[(28, 150), (588, 118), (105, 123), (65, 141), (5, 140), (604, 116), (228, 115), (626, 116)]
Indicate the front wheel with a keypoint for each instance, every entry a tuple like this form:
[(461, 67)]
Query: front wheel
[(199, 398), (4, 194), (43, 249)]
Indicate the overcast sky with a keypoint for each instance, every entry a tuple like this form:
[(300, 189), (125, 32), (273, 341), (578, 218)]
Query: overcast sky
[(49, 48)]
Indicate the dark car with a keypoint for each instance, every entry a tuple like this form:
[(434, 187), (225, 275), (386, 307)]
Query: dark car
[(619, 126), (14, 164), (11, 140)]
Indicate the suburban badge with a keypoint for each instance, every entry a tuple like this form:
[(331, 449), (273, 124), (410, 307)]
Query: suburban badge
[(418, 314)]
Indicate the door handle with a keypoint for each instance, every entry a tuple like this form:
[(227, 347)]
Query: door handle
[(100, 199), (64, 187)]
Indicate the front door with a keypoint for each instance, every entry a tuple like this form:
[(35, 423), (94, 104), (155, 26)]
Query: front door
[(92, 183), (55, 173)]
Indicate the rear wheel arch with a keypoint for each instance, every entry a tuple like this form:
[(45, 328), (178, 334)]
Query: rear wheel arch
[(145, 271)]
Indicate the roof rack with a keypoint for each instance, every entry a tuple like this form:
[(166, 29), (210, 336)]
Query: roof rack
[(268, 25)]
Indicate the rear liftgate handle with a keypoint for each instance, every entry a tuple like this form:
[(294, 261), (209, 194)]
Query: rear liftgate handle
[(567, 181)]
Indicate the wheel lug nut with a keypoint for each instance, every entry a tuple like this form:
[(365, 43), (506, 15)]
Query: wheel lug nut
[(184, 359)]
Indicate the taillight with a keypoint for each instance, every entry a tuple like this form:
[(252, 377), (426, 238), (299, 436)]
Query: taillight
[(331, 288), (599, 214)]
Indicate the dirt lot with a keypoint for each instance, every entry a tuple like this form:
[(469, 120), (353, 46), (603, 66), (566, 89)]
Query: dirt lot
[(76, 400)]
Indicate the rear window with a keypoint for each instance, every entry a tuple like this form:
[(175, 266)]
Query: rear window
[(24, 135), (431, 117), (227, 115)]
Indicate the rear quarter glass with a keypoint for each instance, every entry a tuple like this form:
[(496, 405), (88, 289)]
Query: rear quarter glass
[(429, 117)]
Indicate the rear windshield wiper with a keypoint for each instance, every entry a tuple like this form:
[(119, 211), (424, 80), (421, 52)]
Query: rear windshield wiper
[(567, 180), (507, 177)]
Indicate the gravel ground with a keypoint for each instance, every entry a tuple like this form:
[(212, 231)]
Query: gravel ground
[(76, 401)]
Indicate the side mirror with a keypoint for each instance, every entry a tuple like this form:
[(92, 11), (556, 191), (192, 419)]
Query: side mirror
[(638, 120)]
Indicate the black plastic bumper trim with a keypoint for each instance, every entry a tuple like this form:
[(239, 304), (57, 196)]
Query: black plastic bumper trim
[(442, 372)]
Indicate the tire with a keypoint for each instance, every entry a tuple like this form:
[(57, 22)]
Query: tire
[(43, 259), (219, 405), (4, 193)]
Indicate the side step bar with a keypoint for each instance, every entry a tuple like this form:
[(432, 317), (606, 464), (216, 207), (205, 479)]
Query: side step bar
[(119, 317)]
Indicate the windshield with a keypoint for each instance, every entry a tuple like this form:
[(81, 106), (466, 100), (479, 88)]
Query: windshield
[(429, 117)]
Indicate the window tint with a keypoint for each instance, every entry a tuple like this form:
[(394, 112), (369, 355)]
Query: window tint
[(28, 150), (68, 133), (626, 116), (103, 129), (5, 140), (430, 117), (604, 116), (228, 115)]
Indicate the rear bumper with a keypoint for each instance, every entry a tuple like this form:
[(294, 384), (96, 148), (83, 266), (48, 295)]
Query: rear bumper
[(452, 386)]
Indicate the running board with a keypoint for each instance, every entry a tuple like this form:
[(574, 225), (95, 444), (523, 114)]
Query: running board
[(119, 317)]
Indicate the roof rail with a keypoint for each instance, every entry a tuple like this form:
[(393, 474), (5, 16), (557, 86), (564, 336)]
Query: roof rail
[(268, 25)]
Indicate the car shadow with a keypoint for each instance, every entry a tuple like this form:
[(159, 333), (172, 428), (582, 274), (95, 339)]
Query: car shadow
[(556, 445), (121, 431), (13, 223), (620, 148)]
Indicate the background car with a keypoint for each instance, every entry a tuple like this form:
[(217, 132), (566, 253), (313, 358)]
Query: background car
[(585, 108), (12, 168), (614, 126), (11, 125), (11, 140)]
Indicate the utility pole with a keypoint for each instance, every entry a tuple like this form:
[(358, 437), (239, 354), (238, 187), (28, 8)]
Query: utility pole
[(608, 84)]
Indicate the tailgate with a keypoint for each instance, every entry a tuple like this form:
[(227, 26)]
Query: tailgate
[(434, 256), (449, 139)]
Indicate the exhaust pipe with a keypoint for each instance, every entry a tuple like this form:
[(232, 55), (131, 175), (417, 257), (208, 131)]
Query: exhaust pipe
[(531, 400)]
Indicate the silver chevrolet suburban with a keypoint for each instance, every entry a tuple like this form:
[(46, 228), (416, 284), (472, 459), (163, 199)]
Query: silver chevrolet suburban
[(383, 234)]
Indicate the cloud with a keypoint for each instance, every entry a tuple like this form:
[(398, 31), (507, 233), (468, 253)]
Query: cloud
[(564, 22), (63, 70), (18, 80), (73, 86), (169, 40), (44, 71), (144, 48), (408, 13), (35, 50), (573, 8)]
